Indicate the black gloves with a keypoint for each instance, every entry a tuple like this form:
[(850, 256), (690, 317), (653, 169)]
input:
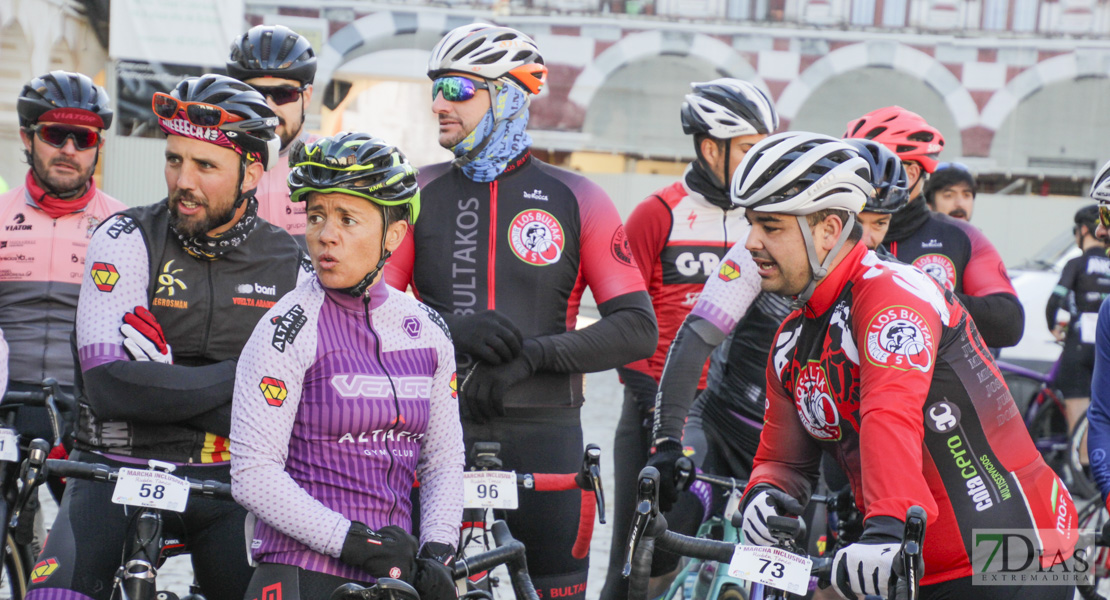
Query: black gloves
[(663, 458), (488, 337), (433, 578), (387, 552), (483, 391)]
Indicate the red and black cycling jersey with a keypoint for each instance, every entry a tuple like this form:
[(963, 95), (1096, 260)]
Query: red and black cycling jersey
[(956, 254), (679, 238), (526, 245), (885, 370)]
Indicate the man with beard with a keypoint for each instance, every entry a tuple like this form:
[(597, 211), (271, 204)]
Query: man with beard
[(281, 65), (951, 191), (510, 294), (171, 293), (954, 252), (47, 225)]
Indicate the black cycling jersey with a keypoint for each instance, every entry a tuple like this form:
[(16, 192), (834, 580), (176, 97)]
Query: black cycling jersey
[(1084, 284)]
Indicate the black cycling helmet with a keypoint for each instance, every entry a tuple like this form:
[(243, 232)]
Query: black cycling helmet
[(63, 89), (1088, 215), (888, 177), (357, 164), (727, 108), (360, 165), (272, 51), (254, 135)]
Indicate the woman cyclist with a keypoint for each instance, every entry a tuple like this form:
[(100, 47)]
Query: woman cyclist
[(345, 396)]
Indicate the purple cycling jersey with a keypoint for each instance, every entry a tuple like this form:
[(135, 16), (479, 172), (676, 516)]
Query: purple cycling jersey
[(340, 404)]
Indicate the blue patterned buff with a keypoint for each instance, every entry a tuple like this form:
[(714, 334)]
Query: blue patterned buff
[(504, 128)]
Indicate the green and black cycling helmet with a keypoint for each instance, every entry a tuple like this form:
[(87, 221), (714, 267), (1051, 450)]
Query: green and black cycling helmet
[(64, 90), (357, 164), (888, 177), (272, 51)]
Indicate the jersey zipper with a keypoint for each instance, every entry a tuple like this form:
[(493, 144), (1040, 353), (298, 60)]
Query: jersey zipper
[(211, 302), (50, 295), (396, 401), (492, 266)]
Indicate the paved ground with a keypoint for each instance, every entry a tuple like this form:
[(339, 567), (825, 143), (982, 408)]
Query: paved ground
[(603, 393)]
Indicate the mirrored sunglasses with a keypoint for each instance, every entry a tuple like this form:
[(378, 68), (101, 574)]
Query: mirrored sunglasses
[(198, 113), (456, 88)]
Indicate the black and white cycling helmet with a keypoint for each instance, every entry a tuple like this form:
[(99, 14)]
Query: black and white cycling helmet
[(888, 177), (727, 108), (1100, 187), (254, 134), (491, 52), (272, 51), (64, 90), (799, 173)]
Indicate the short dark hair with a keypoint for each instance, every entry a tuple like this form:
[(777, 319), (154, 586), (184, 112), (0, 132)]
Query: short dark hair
[(947, 177), (855, 235), (397, 213), (698, 137)]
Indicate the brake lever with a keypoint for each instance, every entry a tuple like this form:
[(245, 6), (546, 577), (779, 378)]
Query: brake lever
[(647, 499), (591, 463), (52, 392), (34, 473), (912, 542)]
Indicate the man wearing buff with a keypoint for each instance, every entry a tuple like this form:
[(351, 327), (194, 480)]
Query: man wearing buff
[(504, 249), (171, 294)]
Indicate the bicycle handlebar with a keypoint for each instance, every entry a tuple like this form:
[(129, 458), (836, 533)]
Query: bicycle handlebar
[(99, 472), (509, 552)]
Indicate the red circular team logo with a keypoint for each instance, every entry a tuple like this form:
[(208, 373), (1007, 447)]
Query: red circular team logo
[(939, 267), (537, 238), (899, 337), (815, 404)]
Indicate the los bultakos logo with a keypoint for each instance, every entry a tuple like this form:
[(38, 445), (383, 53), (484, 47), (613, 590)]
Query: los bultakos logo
[(536, 237)]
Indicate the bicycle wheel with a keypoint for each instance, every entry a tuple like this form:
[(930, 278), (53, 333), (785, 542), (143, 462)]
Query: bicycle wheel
[(1092, 518), (1049, 430), (17, 562), (1079, 481)]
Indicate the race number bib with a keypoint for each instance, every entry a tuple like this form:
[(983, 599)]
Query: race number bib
[(151, 489), (489, 489), (1088, 322), (772, 567), (9, 445)]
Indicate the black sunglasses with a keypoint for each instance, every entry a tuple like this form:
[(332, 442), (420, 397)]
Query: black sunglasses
[(282, 94), (56, 134)]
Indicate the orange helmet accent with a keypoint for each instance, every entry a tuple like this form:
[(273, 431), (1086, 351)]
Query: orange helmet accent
[(532, 76)]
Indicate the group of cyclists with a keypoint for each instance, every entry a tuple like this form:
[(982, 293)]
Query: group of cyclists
[(793, 296)]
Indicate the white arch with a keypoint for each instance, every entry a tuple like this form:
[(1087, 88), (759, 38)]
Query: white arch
[(882, 53), (1065, 67), (655, 43), (375, 31)]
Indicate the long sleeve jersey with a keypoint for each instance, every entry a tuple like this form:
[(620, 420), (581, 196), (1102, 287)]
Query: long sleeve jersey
[(340, 403), (884, 369)]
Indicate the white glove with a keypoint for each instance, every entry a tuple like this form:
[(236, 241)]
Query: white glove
[(863, 569), (767, 502), (143, 337)]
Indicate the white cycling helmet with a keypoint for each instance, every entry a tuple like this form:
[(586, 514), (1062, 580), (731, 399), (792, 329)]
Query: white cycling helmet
[(1100, 187), (727, 108), (491, 52), (799, 173)]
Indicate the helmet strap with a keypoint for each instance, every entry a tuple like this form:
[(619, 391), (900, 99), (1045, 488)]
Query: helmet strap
[(819, 269), (360, 288)]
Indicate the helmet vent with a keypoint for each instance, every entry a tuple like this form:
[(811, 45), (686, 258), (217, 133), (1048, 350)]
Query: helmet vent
[(491, 58), (468, 49)]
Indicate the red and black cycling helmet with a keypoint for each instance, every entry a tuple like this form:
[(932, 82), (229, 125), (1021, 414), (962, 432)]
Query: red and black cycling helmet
[(60, 90), (272, 51), (903, 131)]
